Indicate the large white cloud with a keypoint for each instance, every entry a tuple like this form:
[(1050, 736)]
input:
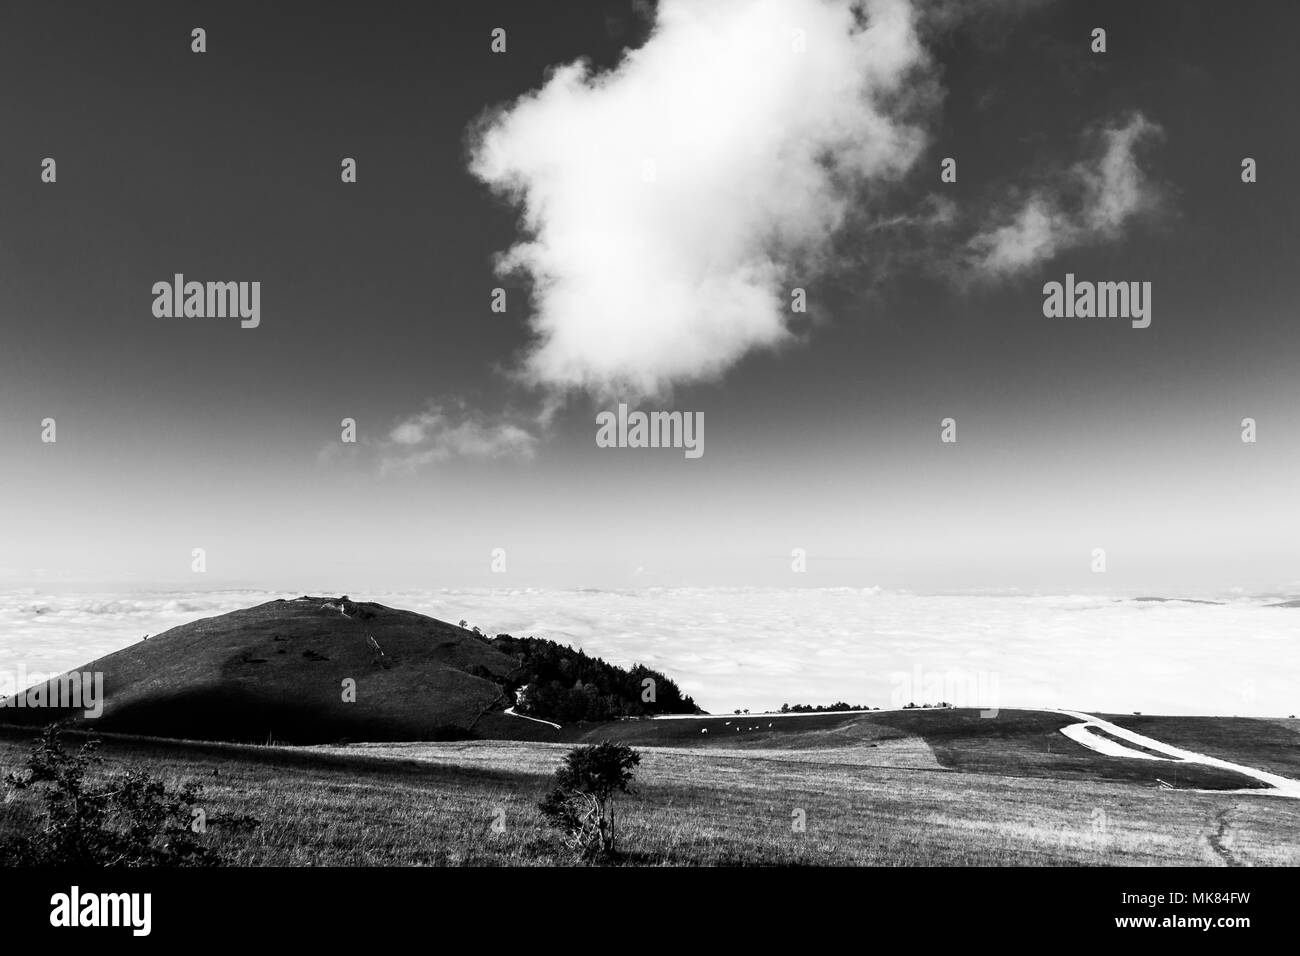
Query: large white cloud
[(668, 205)]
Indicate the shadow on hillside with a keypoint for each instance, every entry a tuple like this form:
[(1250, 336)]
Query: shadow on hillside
[(212, 754), (230, 714)]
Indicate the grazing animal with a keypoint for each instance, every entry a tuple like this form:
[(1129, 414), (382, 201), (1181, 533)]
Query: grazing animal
[(704, 730)]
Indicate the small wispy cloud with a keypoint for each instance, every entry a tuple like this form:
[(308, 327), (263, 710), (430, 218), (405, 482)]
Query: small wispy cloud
[(442, 431), (1095, 201)]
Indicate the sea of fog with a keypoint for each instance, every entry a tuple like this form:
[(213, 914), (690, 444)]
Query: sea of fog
[(758, 648)]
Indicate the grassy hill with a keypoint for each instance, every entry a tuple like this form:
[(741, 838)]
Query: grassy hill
[(1020, 743), (277, 671), (1015, 743)]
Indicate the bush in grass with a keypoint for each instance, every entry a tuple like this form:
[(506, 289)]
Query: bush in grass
[(581, 806), (125, 819)]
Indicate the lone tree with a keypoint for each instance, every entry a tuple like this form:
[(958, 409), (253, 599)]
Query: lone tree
[(581, 806)]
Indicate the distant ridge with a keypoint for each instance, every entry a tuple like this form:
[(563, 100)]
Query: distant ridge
[(1165, 600)]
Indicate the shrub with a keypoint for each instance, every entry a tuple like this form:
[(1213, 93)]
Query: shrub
[(126, 819), (581, 806)]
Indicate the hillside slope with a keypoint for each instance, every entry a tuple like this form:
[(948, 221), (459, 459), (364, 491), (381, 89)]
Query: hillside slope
[(277, 671)]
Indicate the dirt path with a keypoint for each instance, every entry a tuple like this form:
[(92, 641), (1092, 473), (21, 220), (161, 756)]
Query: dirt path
[(1221, 839)]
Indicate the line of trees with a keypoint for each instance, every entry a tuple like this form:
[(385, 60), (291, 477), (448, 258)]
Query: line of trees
[(821, 708)]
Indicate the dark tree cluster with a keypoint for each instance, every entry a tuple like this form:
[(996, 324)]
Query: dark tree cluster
[(565, 685)]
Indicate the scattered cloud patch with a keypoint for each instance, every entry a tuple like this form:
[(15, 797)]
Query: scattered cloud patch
[(1095, 201), (444, 431)]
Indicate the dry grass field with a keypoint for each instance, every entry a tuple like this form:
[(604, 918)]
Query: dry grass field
[(877, 790)]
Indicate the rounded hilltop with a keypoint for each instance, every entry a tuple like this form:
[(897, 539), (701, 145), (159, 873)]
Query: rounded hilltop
[(323, 669), (278, 670)]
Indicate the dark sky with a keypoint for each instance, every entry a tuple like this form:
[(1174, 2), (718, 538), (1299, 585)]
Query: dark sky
[(183, 433)]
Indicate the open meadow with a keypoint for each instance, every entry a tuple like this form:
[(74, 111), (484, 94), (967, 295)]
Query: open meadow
[(941, 787)]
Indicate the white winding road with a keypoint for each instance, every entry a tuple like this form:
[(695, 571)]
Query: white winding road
[(1080, 734), (536, 720)]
